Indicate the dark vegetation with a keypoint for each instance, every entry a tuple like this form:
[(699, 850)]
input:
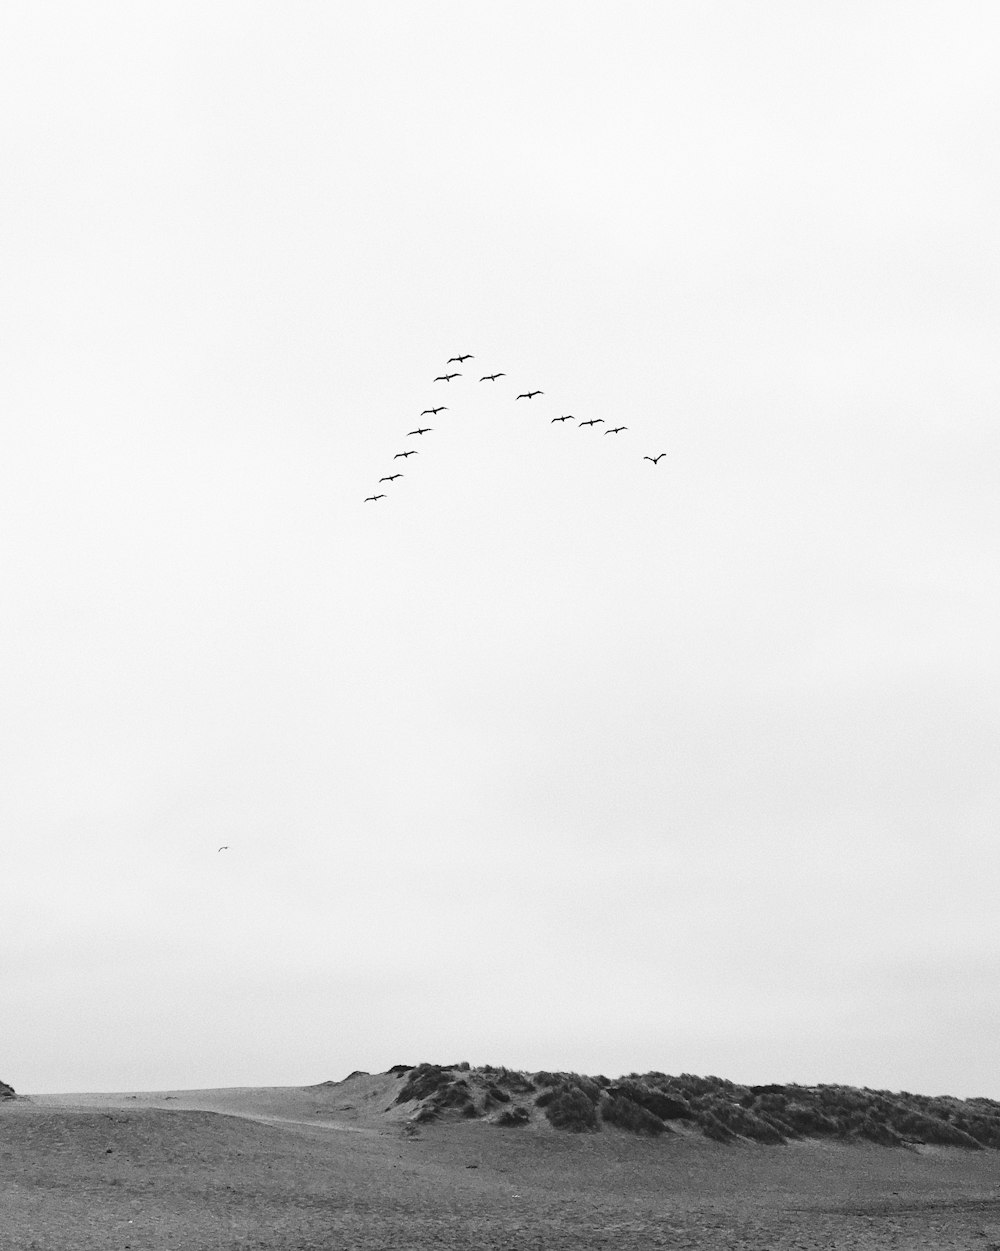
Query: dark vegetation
[(6, 1092), (723, 1110)]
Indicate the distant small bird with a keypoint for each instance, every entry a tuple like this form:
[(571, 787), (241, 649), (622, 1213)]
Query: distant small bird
[(391, 478), (616, 430), (446, 377), (526, 395), (594, 421), (467, 357), (411, 452), (224, 847), (655, 459), (441, 408), (568, 417), (491, 377), (422, 430), (374, 497)]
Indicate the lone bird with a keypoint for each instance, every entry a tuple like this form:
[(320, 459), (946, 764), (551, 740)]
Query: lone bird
[(411, 452), (655, 459), (491, 377), (374, 497), (568, 417), (526, 395), (441, 408), (446, 377), (391, 478), (224, 847), (422, 430), (467, 357), (593, 422), (616, 430)]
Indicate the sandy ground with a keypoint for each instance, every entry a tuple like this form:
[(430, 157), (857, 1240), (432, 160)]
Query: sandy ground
[(328, 1167)]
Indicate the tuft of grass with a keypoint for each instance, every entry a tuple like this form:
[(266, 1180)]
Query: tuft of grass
[(631, 1116), (513, 1117), (571, 1108)]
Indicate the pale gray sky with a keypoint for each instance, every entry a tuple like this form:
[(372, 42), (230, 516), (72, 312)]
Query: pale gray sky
[(552, 758)]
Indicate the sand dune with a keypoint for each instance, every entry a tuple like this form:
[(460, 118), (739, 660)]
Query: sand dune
[(341, 1164)]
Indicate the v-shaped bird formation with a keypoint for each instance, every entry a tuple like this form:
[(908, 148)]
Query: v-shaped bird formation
[(460, 359)]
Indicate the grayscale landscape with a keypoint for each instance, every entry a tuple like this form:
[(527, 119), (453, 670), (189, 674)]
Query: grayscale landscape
[(499, 530), (433, 1157)]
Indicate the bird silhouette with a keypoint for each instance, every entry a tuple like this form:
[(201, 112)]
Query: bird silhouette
[(568, 417), (655, 459), (411, 452), (391, 477), (491, 377), (422, 430), (467, 357), (616, 430), (374, 497), (526, 395), (446, 377), (594, 421), (441, 408), (224, 847)]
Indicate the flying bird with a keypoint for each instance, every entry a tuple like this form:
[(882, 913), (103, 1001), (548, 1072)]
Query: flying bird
[(655, 459), (422, 430), (568, 417), (441, 408), (616, 429), (593, 422), (491, 377), (526, 395), (467, 357), (411, 452), (446, 377), (224, 847), (374, 497), (391, 478)]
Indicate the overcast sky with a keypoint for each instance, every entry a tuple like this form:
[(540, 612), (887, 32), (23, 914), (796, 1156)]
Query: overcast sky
[(552, 757)]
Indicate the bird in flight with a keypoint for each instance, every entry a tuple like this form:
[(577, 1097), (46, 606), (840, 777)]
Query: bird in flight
[(441, 408), (391, 477), (446, 377), (568, 417), (422, 430), (593, 422), (224, 847), (374, 497), (491, 377), (655, 459), (526, 395), (467, 357), (411, 452), (616, 429)]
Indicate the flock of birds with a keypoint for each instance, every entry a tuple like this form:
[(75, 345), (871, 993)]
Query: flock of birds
[(441, 408)]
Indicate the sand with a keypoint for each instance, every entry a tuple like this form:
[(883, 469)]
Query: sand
[(330, 1167)]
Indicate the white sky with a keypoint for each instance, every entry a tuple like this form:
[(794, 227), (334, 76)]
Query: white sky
[(552, 758)]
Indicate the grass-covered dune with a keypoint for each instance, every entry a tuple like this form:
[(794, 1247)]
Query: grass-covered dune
[(654, 1103)]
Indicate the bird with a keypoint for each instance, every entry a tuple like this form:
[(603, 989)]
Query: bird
[(391, 478), (421, 430), (491, 377), (467, 357), (655, 459), (374, 497), (568, 417), (441, 408), (616, 430), (411, 452), (593, 421), (446, 377), (526, 395), (224, 847)]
